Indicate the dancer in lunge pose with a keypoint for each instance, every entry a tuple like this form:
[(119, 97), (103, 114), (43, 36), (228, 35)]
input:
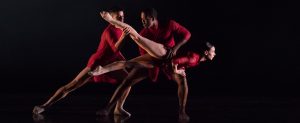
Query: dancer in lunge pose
[(107, 52)]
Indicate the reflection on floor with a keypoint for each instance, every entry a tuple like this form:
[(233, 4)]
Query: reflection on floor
[(154, 109)]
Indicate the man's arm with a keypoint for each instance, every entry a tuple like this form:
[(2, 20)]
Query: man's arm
[(178, 71), (119, 44), (184, 34)]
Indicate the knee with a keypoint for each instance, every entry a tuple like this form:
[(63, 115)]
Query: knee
[(127, 83), (69, 87), (181, 82), (131, 64), (64, 90), (135, 81)]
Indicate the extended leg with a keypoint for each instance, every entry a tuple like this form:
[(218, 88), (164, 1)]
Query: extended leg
[(144, 60), (63, 91)]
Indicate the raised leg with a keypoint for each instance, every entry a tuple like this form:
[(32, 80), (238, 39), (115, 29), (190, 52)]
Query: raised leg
[(156, 50)]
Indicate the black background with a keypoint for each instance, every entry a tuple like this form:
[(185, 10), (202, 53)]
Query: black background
[(45, 43)]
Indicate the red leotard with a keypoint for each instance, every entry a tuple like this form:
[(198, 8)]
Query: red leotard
[(107, 53)]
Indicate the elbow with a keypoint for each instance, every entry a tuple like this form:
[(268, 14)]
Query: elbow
[(117, 47), (188, 36)]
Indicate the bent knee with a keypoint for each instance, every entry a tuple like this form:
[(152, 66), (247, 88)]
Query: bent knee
[(64, 90), (127, 83), (71, 86), (181, 82)]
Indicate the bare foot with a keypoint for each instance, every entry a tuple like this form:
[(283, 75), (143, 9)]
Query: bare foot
[(106, 16), (38, 118), (38, 109), (102, 112), (98, 71), (183, 117), (121, 112), (120, 119)]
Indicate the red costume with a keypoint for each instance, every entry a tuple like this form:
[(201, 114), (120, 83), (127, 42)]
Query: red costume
[(107, 53), (164, 34), (187, 60), (190, 59)]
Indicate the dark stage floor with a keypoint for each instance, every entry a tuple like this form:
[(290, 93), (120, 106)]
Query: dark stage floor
[(81, 108)]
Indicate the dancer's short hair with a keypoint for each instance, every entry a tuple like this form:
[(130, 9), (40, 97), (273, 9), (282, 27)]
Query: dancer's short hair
[(205, 46), (150, 12)]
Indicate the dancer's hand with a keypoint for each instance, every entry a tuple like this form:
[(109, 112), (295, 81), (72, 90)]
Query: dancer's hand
[(106, 16), (174, 51), (126, 31), (180, 71)]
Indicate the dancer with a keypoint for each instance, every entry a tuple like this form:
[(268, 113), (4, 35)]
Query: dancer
[(175, 70), (162, 34), (157, 55), (107, 52), (178, 63)]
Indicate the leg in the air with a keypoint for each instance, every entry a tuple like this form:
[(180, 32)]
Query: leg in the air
[(156, 50)]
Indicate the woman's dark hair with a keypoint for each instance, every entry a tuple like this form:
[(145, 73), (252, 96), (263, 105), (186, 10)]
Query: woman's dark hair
[(205, 46)]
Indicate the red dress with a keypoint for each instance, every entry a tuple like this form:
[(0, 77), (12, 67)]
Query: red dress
[(164, 34), (107, 53), (190, 59)]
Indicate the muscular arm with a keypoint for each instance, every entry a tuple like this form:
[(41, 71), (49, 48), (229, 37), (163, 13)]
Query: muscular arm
[(184, 34), (110, 40), (119, 44)]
